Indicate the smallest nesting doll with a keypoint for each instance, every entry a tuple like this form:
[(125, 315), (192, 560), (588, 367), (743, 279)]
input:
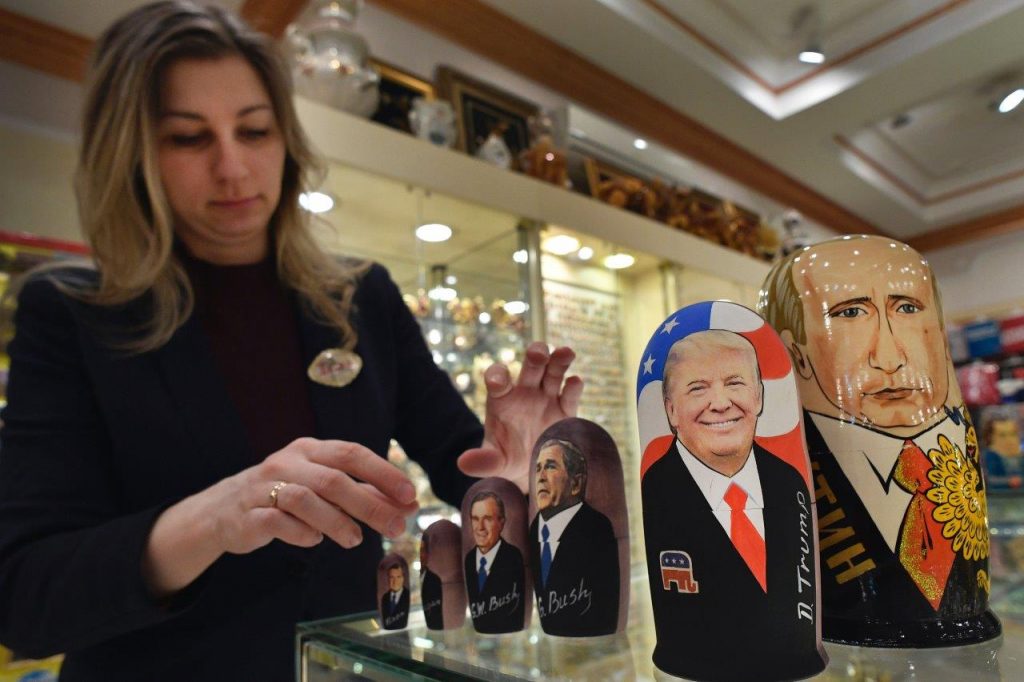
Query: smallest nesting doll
[(393, 587), (494, 544), (442, 589)]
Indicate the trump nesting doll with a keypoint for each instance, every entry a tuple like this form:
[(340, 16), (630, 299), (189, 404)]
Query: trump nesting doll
[(727, 503)]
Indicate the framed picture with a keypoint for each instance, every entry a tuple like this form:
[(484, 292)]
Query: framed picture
[(480, 107), (398, 89)]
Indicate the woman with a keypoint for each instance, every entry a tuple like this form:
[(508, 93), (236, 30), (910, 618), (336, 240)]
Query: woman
[(168, 472)]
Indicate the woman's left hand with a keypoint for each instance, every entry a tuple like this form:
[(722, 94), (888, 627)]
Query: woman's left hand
[(518, 412)]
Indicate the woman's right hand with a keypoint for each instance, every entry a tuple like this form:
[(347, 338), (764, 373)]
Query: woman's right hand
[(328, 487)]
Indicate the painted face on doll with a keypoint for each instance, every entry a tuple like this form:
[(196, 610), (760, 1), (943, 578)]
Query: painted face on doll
[(395, 579), (555, 490), (875, 345), (713, 397), (487, 522), (1005, 438)]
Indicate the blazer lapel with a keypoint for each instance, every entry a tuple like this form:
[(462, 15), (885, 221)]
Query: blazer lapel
[(195, 385)]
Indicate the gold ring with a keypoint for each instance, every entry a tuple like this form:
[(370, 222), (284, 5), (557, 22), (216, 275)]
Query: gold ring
[(275, 490)]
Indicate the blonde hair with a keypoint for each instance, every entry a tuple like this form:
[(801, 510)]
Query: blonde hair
[(124, 212), (715, 338)]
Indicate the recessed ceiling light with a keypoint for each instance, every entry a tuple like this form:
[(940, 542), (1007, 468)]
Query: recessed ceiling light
[(316, 202), (515, 307), (561, 244), (585, 253), (618, 261), (640, 143), (812, 55), (1011, 101), (443, 294), (451, 280), (485, 317), (433, 232), (521, 256)]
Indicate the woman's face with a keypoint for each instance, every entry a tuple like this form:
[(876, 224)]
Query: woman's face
[(221, 157)]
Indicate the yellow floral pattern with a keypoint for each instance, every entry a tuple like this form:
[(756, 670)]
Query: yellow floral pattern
[(959, 499)]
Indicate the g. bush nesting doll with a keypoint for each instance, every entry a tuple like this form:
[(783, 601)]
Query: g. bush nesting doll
[(393, 588), (495, 548), (900, 497), (579, 533), (728, 515), (442, 590)]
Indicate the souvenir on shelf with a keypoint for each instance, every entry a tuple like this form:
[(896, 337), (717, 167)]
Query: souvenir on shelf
[(330, 60), (579, 536), (495, 549), (1001, 444), (727, 502), (900, 496), (393, 587), (494, 150), (442, 589), (433, 120)]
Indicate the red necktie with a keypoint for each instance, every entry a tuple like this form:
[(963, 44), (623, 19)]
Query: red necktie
[(744, 536), (923, 551)]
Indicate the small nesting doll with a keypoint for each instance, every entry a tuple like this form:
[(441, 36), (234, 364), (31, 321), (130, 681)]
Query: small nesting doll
[(728, 513), (442, 590), (393, 588), (901, 500), (495, 551), (579, 535)]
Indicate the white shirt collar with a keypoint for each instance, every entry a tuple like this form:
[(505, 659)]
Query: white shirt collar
[(395, 596), (489, 556), (557, 523), (714, 484)]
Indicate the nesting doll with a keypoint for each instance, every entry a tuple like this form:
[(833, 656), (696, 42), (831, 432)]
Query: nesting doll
[(900, 497), (727, 503), (495, 552), (579, 533), (442, 591), (393, 588)]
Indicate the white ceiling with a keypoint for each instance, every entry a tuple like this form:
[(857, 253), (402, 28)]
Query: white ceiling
[(730, 64)]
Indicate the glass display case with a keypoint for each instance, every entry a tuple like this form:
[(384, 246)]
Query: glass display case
[(356, 648)]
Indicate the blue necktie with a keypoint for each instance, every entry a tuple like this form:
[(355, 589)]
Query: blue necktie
[(545, 556), (481, 575)]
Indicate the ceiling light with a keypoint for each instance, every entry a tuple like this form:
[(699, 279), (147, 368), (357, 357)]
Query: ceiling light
[(485, 318), (585, 253), (619, 261), (561, 244), (640, 143), (443, 294), (316, 202), (1011, 101), (515, 307), (812, 55), (433, 232), (451, 280), (521, 256)]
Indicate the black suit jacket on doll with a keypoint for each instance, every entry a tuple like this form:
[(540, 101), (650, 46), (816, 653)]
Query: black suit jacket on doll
[(97, 443), (729, 628), (394, 617), (501, 605), (431, 592), (867, 595), (581, 596)]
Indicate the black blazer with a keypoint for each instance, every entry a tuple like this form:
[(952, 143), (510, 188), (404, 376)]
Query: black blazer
[(97, 443), (433, 606), (868, 597), (394, 618), (730, 629), (501, 605), (581, 596)]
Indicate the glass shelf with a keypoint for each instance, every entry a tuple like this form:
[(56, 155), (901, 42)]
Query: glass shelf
[(356, 648)]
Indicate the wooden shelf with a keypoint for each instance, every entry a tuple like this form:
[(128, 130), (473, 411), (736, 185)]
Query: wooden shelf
[(372, 147)]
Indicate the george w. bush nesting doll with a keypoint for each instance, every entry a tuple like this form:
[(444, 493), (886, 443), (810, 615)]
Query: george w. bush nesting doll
[(579, 532), (900, 497), (728, 509)]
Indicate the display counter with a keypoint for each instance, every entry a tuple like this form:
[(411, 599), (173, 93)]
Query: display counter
[(356, 648)]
